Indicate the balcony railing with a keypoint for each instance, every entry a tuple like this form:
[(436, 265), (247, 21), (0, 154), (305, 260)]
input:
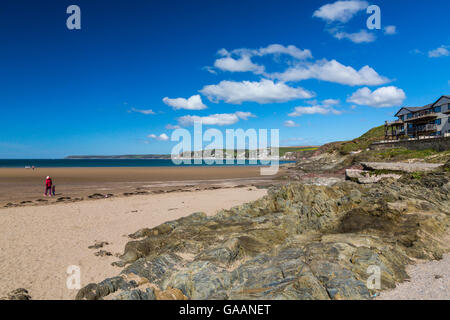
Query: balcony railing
[(421, 115), (396, 122), (425, 128), (396, 132)]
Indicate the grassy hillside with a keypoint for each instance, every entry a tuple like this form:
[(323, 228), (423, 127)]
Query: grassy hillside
[(401, 154), (282, 151), (361, 143), (395, 154)]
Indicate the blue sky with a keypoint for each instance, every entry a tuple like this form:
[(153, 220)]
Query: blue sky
[(310, 68)]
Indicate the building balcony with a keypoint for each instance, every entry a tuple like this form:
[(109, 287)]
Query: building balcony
[(422, 116), (425, 128), (395, 133), (394, 123)]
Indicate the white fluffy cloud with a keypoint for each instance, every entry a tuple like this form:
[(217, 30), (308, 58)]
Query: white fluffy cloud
[(290, 50), (264, 91), (290, 124), (380, 98), (442, 51), (341, 11), (272, 49), (244, 115), (390, 30), (329, 102), (358, 37), (220, 119), (240, 60), (317, 109), (172, 127), (193, 103), (148, 111), (332, 71), (161, 137), (243, 64)]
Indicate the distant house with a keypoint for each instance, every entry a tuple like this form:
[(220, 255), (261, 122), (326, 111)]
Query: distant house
[(428, 121)]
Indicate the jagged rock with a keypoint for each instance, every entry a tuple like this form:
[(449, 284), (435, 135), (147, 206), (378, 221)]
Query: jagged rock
[(401, 166), (98, 245), (446, 166), (96, 196), (298, 242), (103, 253), (366, 177), (18, 294)]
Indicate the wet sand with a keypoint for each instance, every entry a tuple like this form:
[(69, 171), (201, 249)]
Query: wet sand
[(25, 186), (38, 243)]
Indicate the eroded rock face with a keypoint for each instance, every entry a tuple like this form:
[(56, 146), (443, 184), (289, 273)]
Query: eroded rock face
[(365, 177), (298, 242)]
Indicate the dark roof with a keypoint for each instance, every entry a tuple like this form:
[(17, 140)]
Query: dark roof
[(415, 109), (419, 108)]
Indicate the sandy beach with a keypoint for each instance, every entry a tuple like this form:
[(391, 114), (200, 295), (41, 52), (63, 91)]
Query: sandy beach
[(38, 243), (24, 187), (429, 280)]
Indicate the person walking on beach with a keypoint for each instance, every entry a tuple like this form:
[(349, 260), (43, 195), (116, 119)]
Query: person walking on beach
[(48, 186)]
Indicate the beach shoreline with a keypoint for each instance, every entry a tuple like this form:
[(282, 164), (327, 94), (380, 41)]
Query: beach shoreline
[(25, 187)]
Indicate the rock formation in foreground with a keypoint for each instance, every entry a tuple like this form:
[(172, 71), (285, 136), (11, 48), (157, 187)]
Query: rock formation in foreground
[(17, 294), (298, 242)]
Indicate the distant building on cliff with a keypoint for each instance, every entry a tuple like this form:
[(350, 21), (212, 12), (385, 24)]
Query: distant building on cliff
[(431, 120)]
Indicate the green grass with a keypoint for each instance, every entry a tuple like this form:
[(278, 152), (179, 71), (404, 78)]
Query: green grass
[(403, 153), (362, 142), (416, 175), (397, 154), (282, 150)]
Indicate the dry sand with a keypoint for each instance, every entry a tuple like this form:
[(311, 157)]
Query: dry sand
[(38, 243), (429, 281)]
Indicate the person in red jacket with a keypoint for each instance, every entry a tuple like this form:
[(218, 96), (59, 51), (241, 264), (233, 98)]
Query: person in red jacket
[(48, 186)]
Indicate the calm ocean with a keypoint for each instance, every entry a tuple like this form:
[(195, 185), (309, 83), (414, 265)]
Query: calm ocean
[(96, 163)]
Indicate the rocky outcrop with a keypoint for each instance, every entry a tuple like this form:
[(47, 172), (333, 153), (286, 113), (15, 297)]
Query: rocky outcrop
[(298, 242), (401, 166), (18, 294), (325, 162), (364, 177)]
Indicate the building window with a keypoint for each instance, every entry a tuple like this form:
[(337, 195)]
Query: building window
[(437, 121), (409, 116), (437, 109)]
